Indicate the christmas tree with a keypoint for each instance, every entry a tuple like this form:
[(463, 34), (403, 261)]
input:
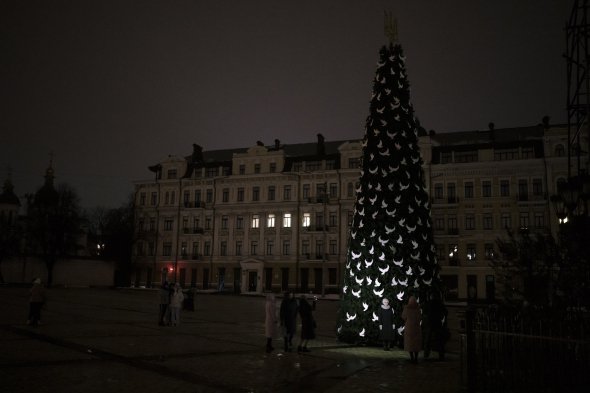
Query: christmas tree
[(391, 252)]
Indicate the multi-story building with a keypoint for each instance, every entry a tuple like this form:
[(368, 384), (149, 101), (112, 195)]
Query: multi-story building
[(277, 217)]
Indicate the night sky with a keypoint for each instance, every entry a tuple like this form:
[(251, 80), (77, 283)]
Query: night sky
[(111, 87)]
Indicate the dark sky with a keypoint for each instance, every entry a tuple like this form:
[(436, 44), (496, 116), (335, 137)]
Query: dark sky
[(111, 87)]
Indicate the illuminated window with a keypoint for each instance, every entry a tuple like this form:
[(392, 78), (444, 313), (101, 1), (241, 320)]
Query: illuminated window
[(471, 252), (287, 220), (255, 221), (270, 221), (306, 220)]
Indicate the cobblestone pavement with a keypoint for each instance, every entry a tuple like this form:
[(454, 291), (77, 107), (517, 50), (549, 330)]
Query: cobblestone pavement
[(106, 340)]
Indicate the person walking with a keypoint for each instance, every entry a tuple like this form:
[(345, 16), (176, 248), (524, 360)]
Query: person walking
[(412, 332), (270, 322), (386, 328), (164, 293), (307, 324), (176, 304), (288, 317), (36, 302)]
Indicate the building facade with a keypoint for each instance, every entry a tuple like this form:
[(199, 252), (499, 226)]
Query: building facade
[(276, 218)]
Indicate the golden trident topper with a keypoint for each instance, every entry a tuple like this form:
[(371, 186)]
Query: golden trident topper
[(390, 27)]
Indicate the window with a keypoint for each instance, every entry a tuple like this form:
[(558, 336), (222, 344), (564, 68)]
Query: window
[(306, 223), (270, 221), (319, 221), (527, 152), (139, 250), (286, 247), (440, 252), (305, 248), (142, 199), (537, 187), (257, 168), (186, 198), (152, 224), (287, 193), (486, 188), (241, 194), (559, 151), (453, 252), (172, 173), (333, 190), (332, 219), (451, 194), (255, 221), (269, 246), (332, 276), (333, 247), (469, 221), (306, 191), (154, 199), (319, 249), (523, 220), (489, 250), (446, 157), (253, 247), (506, 220), (151, 248), (271, 193), (287, 220), (211, 172), (167, 249), (297, 166), (438, 191), (487, 221), (504, 188), (330, 164), (273, 167), (466, 156), (523, 190), (242, 169), (471, 252), (239, 222), (208, 222), (223, 248), (505, 154), (224, 222), (207, 249), (197, 197), (320, 190), (354, 163), (539, 220), (256, 193), (209, 196), (452, 223), (313, 165), (140, 224), (349, 217), (238, 248), (226, 171), (469, 189), (349, 190), (168, 224), (195, 250), (439, 223)]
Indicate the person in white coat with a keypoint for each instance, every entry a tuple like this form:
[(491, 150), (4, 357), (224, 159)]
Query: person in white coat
[(176, 304)]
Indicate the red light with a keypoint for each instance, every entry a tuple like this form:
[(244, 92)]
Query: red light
[(171, 269)]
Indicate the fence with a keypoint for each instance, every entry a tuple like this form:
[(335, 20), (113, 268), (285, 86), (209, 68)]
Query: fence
[(508, 351)]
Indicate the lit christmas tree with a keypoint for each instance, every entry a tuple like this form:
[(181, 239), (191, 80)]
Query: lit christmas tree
[(391, 252)]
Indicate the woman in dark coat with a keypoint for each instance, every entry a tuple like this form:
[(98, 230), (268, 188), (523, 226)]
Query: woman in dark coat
[(307, 324), (288, 317), (412, 331), (386, 328)]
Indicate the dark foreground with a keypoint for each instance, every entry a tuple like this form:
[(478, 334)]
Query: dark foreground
[(104, 340)]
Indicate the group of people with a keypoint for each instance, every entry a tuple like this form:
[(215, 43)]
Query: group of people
[(171, 300), (422, 331), (290, 307)]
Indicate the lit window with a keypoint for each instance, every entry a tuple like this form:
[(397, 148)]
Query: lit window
[(306, 220), (270, 221), (255, 221), (287, 220)]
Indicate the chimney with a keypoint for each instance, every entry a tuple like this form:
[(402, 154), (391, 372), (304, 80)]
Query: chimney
[(321, 150)]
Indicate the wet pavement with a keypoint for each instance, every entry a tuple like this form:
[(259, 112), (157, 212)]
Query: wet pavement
[(108, 340)]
